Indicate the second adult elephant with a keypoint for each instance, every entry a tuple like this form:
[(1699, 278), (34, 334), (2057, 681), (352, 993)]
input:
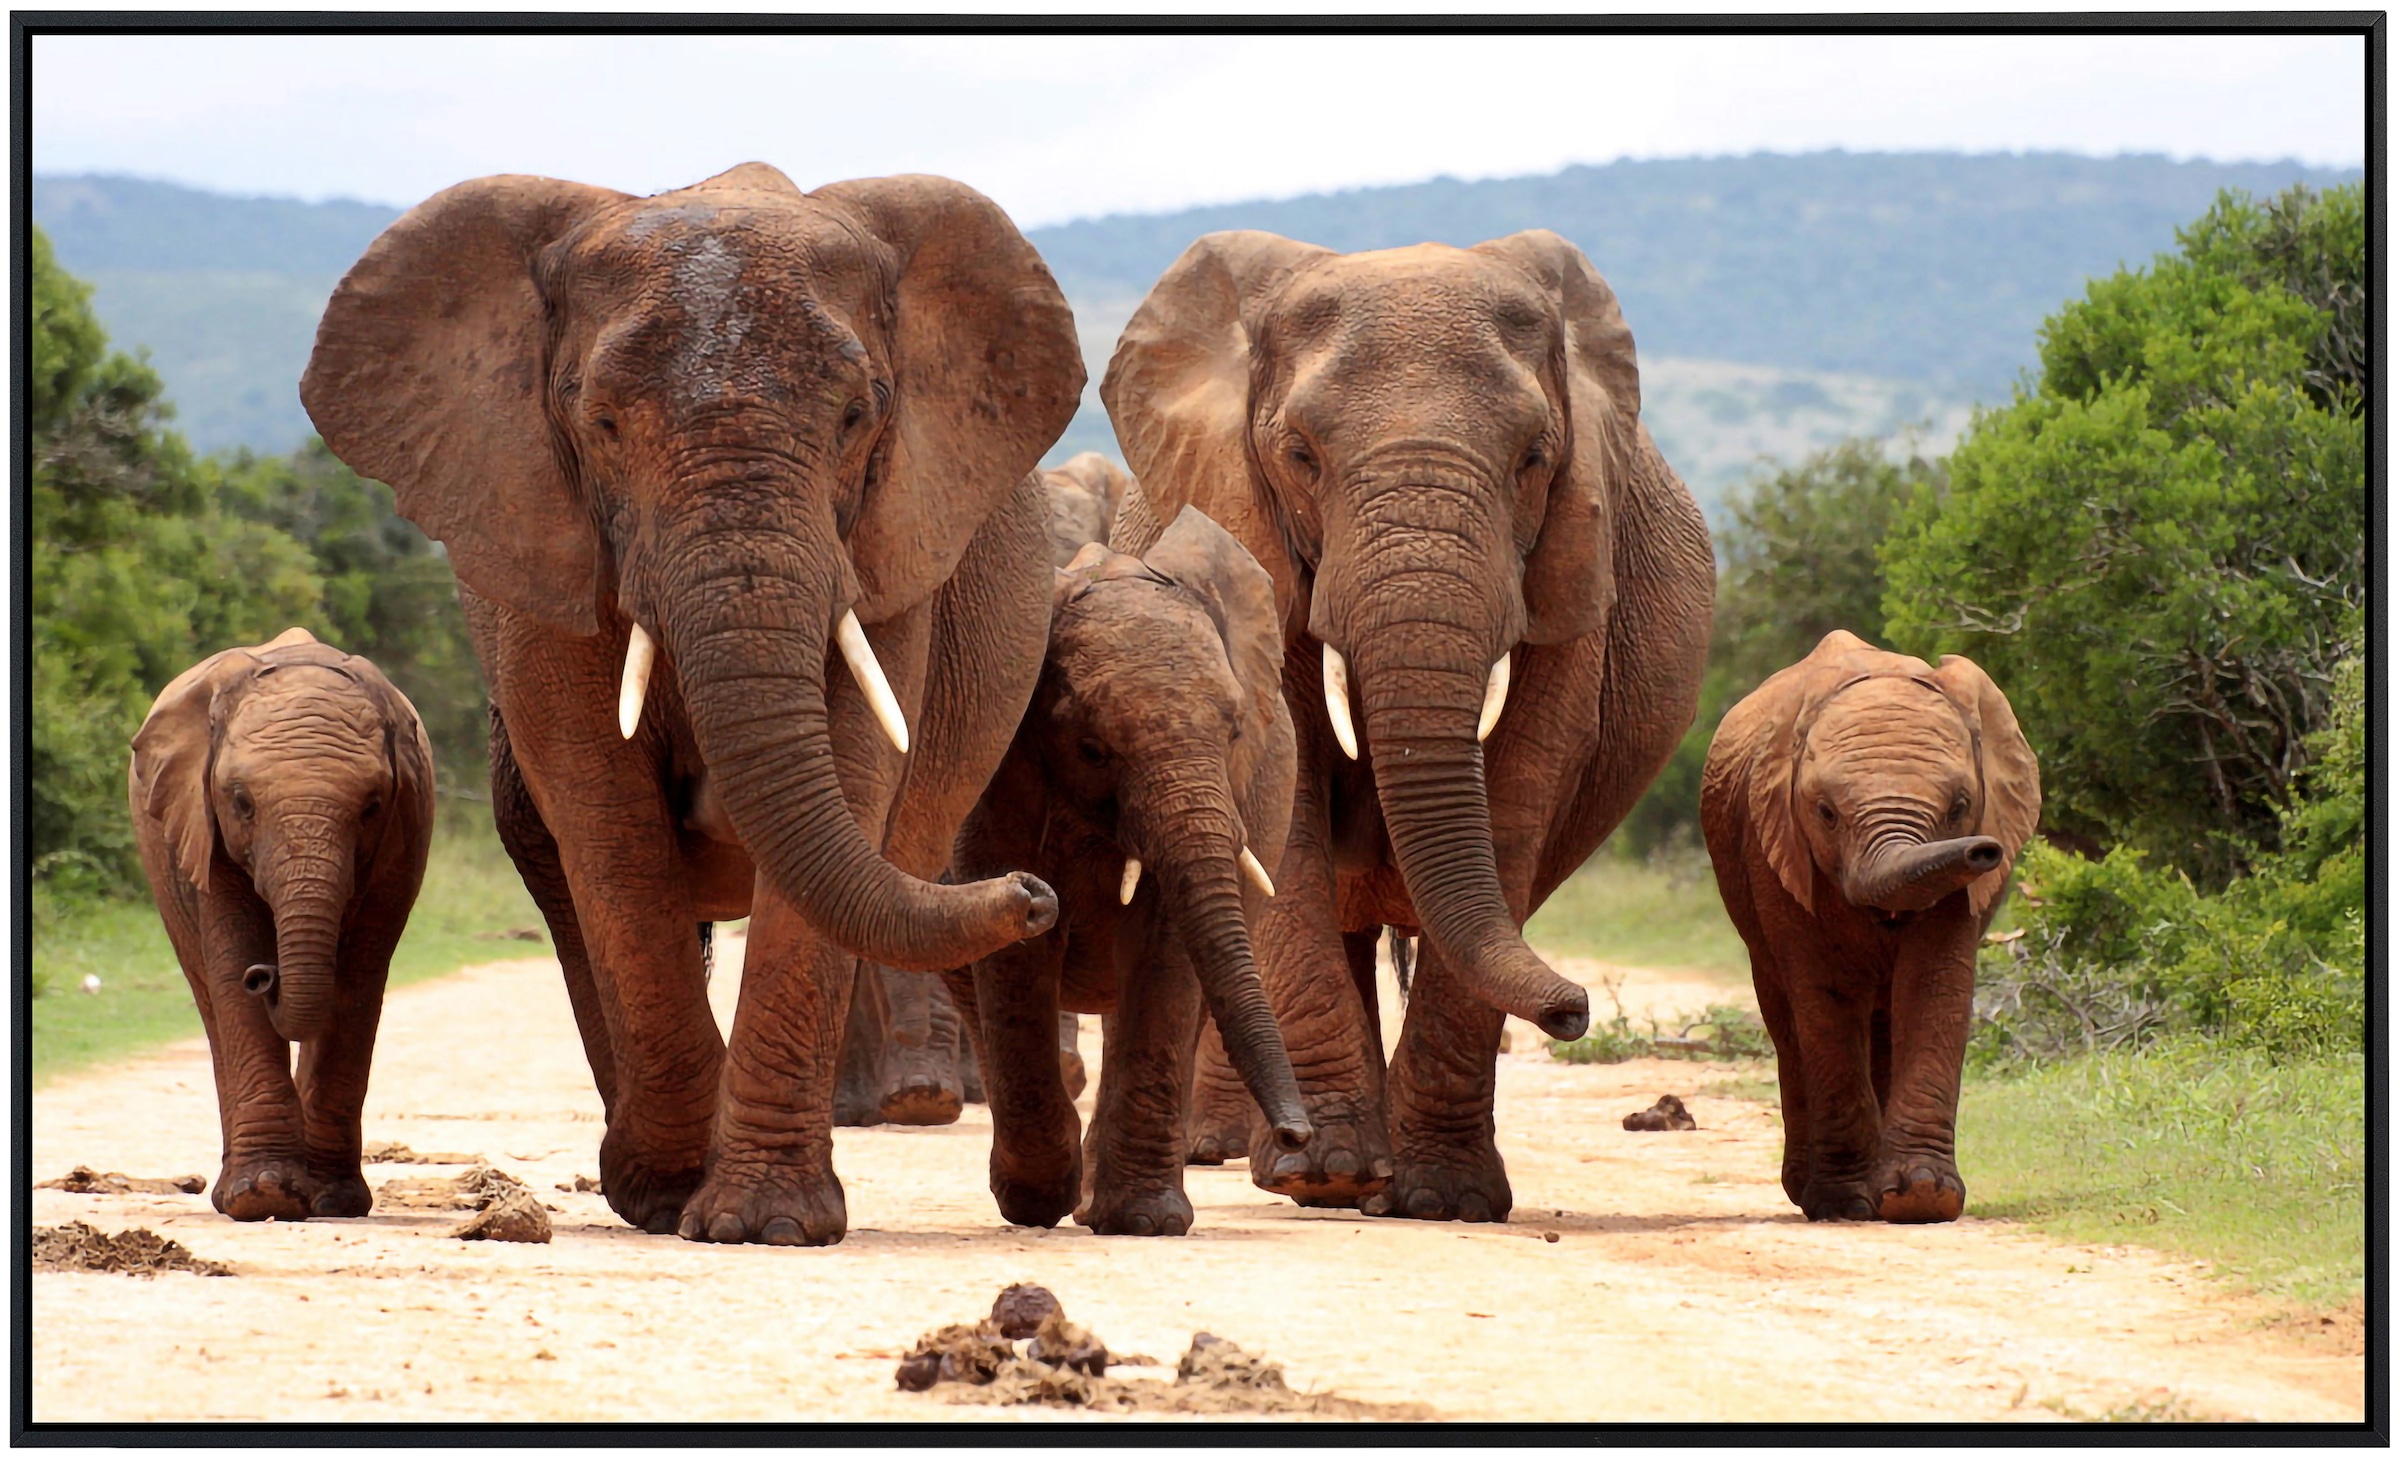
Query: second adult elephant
[(1495, 598), (736, 483)]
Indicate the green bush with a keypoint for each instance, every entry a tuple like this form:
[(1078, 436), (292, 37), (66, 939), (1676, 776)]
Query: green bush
[(2159, 549)]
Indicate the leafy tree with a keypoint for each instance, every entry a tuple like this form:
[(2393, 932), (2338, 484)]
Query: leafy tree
[(1797, 560), (2159, 548)]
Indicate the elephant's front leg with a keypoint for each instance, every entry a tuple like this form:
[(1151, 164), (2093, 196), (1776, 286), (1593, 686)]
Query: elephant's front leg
[(770, 1161), (1337, 1054), (1933, 999), (1037, 1158), (1135, 1152), (333, 1082), (1223, 1117), (901, 1067), (265, 1171), (1443, 1081), (1832, 1010)]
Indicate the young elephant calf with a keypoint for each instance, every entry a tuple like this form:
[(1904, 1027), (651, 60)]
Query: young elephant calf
[(1149, 783), (1863, 810), (283, 800)]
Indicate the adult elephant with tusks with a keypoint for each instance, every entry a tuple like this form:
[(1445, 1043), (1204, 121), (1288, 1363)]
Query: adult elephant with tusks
[(736, 484), (1495, 603)]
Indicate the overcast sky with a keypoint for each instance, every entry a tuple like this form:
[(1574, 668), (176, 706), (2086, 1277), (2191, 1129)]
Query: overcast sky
[(1064, 127)]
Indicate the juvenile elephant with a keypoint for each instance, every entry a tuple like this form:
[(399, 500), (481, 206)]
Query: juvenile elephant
[(1863, 810), (282, 801), (1494, 599), (737, 484), (907, 1057), (1154, 762)]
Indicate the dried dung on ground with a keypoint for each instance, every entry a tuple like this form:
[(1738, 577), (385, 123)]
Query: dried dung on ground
[(1668, 1115), (76, 1246), (583, 1185), (84, 1180), (504, 1208), (395, 1153), (1063, 1365)]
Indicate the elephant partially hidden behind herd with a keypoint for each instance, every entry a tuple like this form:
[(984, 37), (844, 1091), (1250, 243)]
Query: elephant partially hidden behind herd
[(1398, 613)]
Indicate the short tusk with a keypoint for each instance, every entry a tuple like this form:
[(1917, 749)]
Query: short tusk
[(1257, 873), (640, 654), (1495, 697), (1337, 701), (871, 681), (1133, 878)]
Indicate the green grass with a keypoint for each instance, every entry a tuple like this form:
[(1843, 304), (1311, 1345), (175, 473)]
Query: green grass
[(2253, 1162), (1662, 913), (471, 902)]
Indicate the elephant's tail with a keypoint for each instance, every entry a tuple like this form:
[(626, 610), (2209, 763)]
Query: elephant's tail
[(1404, 959)]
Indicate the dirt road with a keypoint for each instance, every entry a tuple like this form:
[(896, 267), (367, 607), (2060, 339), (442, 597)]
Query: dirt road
[(1680, 1284)]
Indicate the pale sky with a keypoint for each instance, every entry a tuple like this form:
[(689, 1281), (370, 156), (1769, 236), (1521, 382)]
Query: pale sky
[(1061, 127)]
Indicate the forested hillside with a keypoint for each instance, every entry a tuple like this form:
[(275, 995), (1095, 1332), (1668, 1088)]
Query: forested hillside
[(1782, 302)]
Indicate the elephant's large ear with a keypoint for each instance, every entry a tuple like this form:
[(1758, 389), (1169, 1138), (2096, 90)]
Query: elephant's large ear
[(408, 752), (428, 375), (2012, 782), (1204, 559), (1178, 388), (988, 375), (1762, 740), (172, 752), (1570, 580)]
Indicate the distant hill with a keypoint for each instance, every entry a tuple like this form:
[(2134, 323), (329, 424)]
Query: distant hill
[(1780, 302)]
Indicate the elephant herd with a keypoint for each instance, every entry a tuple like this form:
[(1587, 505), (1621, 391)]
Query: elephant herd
[(1397, 614)]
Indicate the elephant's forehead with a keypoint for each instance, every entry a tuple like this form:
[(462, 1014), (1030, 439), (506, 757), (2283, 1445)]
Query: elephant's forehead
[(1125, 644), (1422, 276), (1887, 712), (304, 707), (718, 243)]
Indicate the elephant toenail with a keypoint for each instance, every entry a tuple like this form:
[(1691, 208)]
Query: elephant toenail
[(1381, 1168), (1472, 1206), (1857, 1208), (1137, 1225), (1291, 1166), (782, 1230), (1341, 1164), (726, 1228), (688, 1228), (1423, 1203), (664, 1222), (1376, 1204)]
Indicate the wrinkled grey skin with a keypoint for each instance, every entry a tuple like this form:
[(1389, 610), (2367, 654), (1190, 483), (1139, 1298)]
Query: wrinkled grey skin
[(282, 801)]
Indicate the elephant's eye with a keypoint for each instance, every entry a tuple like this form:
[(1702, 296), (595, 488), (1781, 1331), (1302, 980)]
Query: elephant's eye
[(1301, 457), (372, 808), (1534, 460), (1092, 751), (606, 422), (1958, 808), (1825, 812), (853, 415), (242, 806)]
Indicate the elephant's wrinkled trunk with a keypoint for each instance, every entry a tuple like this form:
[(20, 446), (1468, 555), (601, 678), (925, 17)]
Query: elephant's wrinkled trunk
[(1907, 875), (748, 618), (1200, 879), (307, 891), (1420, 647)]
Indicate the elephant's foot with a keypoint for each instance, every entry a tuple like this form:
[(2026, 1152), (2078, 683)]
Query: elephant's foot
[(1036, 1200), (1347, 1161), (767, 1204), (1450, 1183), (342, 1194), (1150, 1210), (1920, 1192), (264, 1187), (647, 1192), (922, 1100), (1836, 1200), (1223, 1122)]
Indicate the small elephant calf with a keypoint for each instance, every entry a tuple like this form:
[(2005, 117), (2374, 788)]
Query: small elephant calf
[(1862, 811), (282, 801), (1150, 782)]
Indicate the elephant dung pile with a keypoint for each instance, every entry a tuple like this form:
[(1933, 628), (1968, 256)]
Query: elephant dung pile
[(387, 1152), (1665, 1116), (84, 1180), (76, 1246), (505, 1209), (1063, 1365)]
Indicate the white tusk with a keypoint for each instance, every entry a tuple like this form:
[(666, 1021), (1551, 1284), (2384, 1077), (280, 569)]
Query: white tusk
[(1133, 878), (640, 653), (1257, 873), (1337, 701), (871, 681), (1495, 696)]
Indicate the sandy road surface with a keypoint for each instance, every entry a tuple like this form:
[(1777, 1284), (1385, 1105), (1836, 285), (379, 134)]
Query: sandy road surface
[(1681, 1285)]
